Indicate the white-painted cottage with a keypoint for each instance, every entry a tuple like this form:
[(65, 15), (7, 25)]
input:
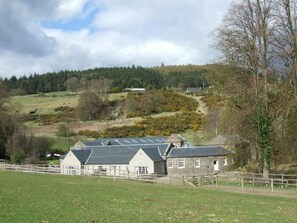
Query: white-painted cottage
[(118, 156)]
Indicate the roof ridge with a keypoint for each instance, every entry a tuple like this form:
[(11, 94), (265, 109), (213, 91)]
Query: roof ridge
[(89, 156), (160, 153)]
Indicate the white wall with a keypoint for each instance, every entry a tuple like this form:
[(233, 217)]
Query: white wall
[(141, 159), (120, 169), (70, 165)]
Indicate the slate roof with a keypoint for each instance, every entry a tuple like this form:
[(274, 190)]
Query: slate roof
[(91, 143), (201, 151), (82, 155), (111, 156), (153, 153), (131, 141), (161, 147), (122, 154)]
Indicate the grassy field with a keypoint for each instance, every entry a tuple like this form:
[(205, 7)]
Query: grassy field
[(56, 198), (44, 105), (60, 143), (52, 100)]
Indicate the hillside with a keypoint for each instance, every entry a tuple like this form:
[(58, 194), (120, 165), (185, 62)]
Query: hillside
[(47, 105), (118, 78), (92, 108), (130, 115)]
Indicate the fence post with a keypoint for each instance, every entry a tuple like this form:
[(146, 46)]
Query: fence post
[(183, 180), (217, 178), (271, 185), (170, 180), (282, 183), (241, 182)]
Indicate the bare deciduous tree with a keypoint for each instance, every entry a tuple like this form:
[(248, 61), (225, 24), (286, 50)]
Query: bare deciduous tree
[(245, 40)]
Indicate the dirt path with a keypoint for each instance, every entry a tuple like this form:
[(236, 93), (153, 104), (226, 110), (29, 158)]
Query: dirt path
[(202, 108)]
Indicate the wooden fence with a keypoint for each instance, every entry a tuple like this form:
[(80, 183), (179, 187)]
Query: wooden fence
[(48, 169), (283, 181), (125, 176), (239, 180), (243, 180)]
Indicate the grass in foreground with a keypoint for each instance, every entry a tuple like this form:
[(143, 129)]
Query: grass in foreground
[(56, 198)]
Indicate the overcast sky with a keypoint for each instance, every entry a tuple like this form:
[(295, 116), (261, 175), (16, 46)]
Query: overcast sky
[(39, 36)]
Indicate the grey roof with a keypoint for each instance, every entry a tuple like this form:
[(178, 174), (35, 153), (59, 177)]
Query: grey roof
[(121, 150), (121, 154), (91, 143), (132, 141), (162, 147), (81, 155), (153, 153), (200, 151)]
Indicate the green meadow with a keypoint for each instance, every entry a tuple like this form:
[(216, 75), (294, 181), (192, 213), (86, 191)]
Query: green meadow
[(44, 105), (56, 198), (49, 101)]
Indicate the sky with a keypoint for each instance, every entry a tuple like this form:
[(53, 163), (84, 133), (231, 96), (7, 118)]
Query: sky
[(39, 36)]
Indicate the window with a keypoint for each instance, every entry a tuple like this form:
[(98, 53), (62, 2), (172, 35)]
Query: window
[(181, 164), (197, 163), (225, 162), (170, 164), (141, 170)]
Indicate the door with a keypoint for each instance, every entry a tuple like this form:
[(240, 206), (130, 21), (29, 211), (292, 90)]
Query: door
[(216, 165), (113, 170)]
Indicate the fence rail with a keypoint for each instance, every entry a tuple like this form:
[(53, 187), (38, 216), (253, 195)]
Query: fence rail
[(257, 180), (238, 180), (243, 180), (57, 170), (32, 168)]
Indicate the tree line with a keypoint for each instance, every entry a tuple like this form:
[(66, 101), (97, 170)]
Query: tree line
[(258, 43), (119, 78), (14, 144)]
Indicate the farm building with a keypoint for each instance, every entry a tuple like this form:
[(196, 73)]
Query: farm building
[(193, 90), (197, 160), (118, 156), (146, 155)]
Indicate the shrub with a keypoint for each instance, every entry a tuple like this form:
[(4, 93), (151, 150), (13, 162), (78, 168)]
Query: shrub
[(157, 101), (162, 126)]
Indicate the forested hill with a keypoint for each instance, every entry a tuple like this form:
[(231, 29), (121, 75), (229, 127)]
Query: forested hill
[(119, 78)]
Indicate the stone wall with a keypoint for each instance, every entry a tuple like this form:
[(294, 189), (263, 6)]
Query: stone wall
[(206, 165)]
